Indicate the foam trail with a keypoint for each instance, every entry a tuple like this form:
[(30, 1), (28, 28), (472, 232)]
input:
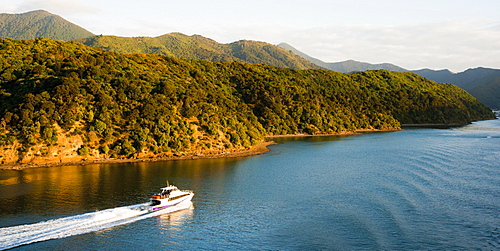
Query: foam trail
[(74, 225)]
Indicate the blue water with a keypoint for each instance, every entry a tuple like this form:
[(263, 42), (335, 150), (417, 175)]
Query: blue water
[(417, 189)]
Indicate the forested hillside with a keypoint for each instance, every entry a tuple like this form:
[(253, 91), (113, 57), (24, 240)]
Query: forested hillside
[(482, 83), (39, 23), (201, 48), (64, 100)]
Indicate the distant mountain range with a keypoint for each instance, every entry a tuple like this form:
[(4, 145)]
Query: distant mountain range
[(39, 23), (344, 66), (201, 48), (482, 83)]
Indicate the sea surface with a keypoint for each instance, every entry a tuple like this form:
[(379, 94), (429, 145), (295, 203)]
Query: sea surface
[(417, 189)]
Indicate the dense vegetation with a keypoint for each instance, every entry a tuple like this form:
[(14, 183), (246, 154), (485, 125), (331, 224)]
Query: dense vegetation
[(39, 23), (123, 104), (482, 83), (201, 48)]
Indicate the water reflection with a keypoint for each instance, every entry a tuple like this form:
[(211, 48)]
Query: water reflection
[(171, 221), (75, 189)]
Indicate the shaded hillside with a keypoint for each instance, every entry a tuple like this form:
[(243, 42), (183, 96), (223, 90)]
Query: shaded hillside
[(39, 23), (440, 76), (344, 66), (482, 83), (488, 90), (63, 100), (200, 48)]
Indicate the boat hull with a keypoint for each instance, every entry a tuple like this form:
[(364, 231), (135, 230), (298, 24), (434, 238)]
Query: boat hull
[(172, 205)]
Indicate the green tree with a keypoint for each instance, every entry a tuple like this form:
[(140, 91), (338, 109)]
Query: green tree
[(83, 151)]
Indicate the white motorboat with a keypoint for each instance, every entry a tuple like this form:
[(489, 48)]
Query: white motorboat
[(169, 197)]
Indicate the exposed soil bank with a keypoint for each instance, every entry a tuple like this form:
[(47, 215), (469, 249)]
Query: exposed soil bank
[(255, 150)]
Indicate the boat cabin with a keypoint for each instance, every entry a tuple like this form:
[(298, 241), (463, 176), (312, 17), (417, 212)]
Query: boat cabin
[(165, 192)]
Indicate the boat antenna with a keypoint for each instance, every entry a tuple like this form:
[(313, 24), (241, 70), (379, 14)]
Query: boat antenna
[(167, 184)]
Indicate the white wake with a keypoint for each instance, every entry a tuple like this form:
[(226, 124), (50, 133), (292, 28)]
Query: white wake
[(78, 224)]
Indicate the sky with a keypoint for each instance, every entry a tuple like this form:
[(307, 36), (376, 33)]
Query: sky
[(413, 34)]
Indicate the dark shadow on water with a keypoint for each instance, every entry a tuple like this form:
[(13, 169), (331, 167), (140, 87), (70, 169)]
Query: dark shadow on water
[(323, 138), (432, 127)]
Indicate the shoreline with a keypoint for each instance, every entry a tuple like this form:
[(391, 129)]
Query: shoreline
[(357, 132), (254, 150), (260, 148), (435, 125)]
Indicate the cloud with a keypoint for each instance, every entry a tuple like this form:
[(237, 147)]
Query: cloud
[(59, 7), (456, 45)]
